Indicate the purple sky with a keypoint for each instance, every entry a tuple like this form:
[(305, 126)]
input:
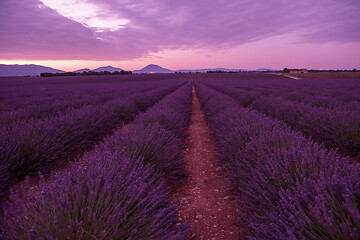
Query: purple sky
[(181, 34)]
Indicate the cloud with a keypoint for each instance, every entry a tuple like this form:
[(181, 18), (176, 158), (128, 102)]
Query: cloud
[(30, 30), (88, 14)]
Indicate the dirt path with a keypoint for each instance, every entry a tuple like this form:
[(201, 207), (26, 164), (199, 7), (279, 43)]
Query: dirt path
[(205, 201), (286, 75)]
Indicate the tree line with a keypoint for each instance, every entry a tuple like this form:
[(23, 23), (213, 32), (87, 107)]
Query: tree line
[(85, 73)]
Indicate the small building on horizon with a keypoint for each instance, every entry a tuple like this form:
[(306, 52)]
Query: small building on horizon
[(299, 70)]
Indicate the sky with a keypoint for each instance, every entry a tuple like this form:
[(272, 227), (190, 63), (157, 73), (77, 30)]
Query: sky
[(186, 34)]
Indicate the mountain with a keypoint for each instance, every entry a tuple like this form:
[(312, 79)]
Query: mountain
[(225, 69), (210, 69), (107, 68), (265, 70), (24, 70), (82, 70), (34, 70), (100, 69), (152, 68)]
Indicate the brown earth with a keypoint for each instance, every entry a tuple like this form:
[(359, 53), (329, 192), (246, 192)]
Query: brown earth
[(205, 201), (324, 75)]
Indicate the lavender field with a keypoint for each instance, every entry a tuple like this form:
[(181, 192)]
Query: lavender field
[(110, 152)]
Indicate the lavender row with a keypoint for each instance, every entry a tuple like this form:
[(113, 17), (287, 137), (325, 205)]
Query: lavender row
[(158, 135), (318, 93), (60, 103), (113, 197), (118, 191), (286, 185), (20, 97), (337, 127), (22, 92), (33, 145)]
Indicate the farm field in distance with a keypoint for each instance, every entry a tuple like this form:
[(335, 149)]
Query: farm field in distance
[(326, 75), (165, 156)]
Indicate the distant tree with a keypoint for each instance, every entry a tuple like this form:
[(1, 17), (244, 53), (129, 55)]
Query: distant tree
[(354, 70), (46, 74), (286, 70), (125, 72), (84, 73)]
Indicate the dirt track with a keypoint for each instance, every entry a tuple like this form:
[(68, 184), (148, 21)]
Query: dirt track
[(205, 201)]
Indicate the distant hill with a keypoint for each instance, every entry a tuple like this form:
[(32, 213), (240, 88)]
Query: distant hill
[(100, 69), (34, 70), (210, 69), (107, 68), (152, 68), (82, 70), (24, 70), (265, 70), (224, 69)]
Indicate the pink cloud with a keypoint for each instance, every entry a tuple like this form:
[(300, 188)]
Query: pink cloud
[(31, 31)]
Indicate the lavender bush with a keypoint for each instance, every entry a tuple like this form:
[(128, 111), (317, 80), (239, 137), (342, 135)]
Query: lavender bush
[(117, 191), (30, 146), (158, 147), (112, 197), (337, 124), (48, 100), (338, 127), (287, 186), (280, 108), (173, 113), (52, 108), (152, 135), (20, 93)]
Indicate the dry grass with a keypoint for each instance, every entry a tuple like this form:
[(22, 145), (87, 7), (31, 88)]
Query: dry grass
[(326, 75)]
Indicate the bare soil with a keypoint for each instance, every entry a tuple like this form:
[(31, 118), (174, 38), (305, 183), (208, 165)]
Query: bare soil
[(323, 75), (204, 198)]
